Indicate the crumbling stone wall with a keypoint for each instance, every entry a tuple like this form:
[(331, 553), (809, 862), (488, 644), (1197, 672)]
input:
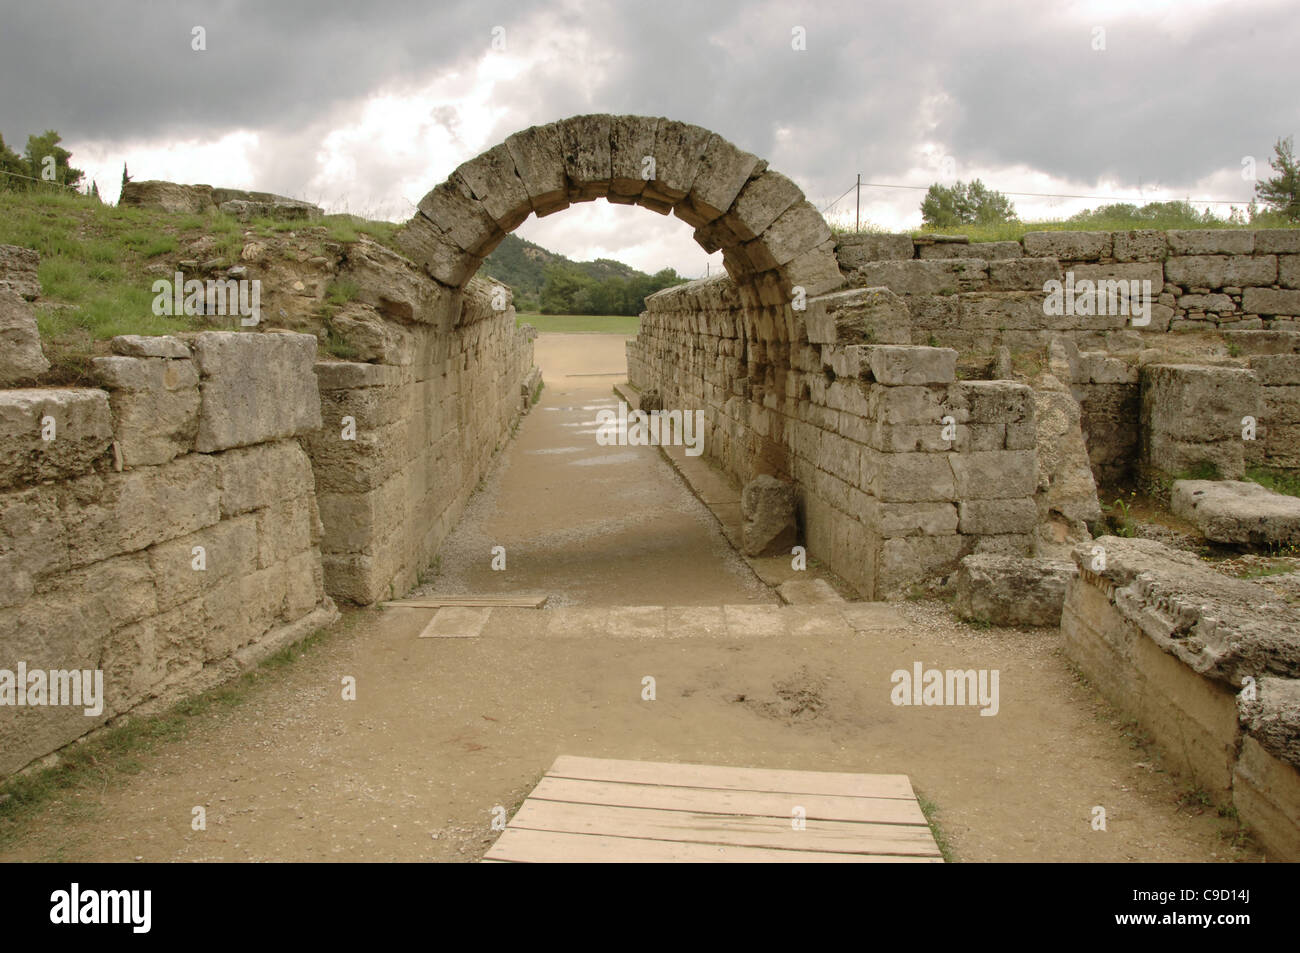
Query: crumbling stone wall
[(162, 529), (1209, 666)]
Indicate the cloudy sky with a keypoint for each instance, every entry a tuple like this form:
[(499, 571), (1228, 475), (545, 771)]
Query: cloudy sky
[(364, 107)]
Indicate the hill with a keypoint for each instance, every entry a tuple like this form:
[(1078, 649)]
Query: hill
[(548, 282)]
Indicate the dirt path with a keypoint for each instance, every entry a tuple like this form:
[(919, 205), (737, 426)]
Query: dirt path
[(443, 731)]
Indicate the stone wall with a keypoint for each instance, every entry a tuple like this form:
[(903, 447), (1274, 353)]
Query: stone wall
[(1207, 664), (410, 430), (886, 497), (162, 529)]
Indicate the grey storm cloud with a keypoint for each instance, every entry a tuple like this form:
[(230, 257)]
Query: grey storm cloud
[(997, 83)]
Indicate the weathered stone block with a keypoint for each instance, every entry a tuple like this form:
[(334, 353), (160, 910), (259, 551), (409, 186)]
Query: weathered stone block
[(989, 517), (895, 364), (853, 251), (255, 388), (858, 316), (1221, 271), (994, 475), (18, 271), (21, 357), (1211, 241), (1238, 512), (1012, 591), (1271, 302), (1068, 246), (155, 404), (77, 421)]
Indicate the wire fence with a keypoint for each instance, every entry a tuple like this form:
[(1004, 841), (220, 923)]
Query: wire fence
[(833, 210)]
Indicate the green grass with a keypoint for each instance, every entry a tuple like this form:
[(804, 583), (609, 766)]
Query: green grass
[(931, 812), (582, 323), (116, 751), (1276, 480), (94, 259)]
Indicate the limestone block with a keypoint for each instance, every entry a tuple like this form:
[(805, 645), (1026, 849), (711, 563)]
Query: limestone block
[(853, 251), (1280, 241), (145, 345), (918, 277), (768, 508), (797, 229), (1146, 244), (78, 421), (1185, 406), (1221, 271), (251, 478), (33, 544), (1066, 487), (890, 520), (438, 255), (1022, 274), (1270, 302), (585, 147), (1068, 246), (168, 196), (1266, 794), (678, 154), (229, 550), (631, 139), (913, 477), (18, 271), (990, 517), (155, 405), (763, 199), (858, 316), (105, 515), (1211, 241), (21, 357), (723, 172), (905, 561), (255, 388), (994, 474), (895, 365), (460, 217), (538, 154), (1231, 511), (393, 286), (1012, 591)]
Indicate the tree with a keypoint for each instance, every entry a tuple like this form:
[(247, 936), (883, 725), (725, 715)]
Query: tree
[(44, 147), (125, 178), (962, 204), (1282, 192), (11, 166)]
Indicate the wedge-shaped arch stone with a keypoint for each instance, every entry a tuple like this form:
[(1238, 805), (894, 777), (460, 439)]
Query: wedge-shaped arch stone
[(538, 153)]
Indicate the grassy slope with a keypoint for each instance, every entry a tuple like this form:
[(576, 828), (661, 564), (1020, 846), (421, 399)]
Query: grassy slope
[(94, 256)]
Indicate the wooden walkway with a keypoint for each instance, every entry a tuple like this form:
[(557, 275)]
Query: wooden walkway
[(589, 810)]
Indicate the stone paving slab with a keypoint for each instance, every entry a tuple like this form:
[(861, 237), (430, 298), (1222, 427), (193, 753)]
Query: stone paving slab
[(1234, 511)]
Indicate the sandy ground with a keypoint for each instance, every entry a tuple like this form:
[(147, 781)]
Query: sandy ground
[(443, 731)]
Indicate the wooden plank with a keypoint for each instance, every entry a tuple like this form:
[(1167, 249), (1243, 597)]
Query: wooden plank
[(456, 622), (518, 845), (836, 836), (879, 810), (522, 601), (732, 779)]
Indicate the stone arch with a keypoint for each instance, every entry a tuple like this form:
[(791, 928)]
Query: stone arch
[(772, 239)]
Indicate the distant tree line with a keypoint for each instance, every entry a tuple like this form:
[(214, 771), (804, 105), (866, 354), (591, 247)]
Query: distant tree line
[(43, 161), (973, 203), (567, 290)]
